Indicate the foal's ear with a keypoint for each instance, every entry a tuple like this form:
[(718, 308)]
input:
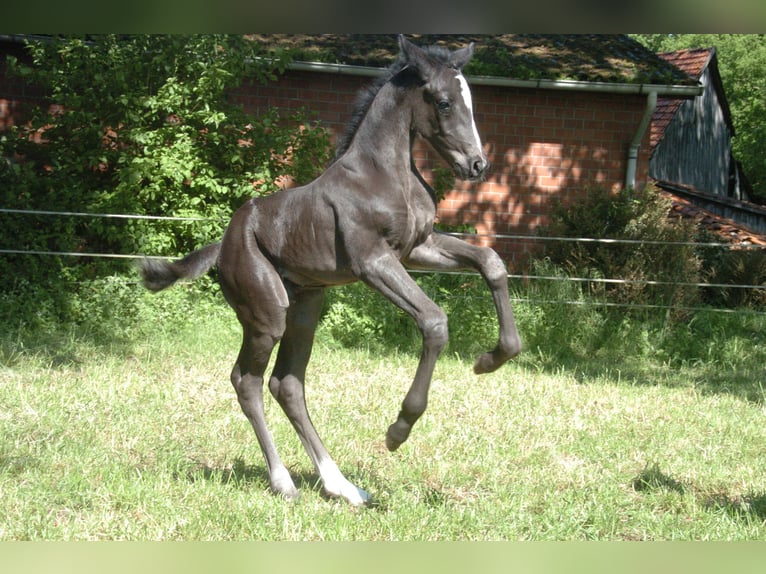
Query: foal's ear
[(416, 57), (461, 57)]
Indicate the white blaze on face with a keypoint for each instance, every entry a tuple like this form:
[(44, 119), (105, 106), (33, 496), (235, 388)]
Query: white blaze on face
[(465, 90)]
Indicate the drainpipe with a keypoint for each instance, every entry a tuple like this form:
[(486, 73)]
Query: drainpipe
[(630, 170)]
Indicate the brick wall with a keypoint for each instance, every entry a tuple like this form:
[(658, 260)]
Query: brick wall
[(15, 95), (544, 146)]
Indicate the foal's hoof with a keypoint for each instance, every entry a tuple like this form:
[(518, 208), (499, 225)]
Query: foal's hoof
[(352, 494), (487, 363), (290, 496), (282, 485), (396, 435), (392, 444), (493, 360)]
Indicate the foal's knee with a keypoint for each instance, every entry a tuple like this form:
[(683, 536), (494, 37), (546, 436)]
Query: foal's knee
[(493, 267), (435, 331)]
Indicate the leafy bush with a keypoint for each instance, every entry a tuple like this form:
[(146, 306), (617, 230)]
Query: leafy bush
[(355, 315), (110, 313), (137, 125), (734, 266), (143, 125), (555, 318)]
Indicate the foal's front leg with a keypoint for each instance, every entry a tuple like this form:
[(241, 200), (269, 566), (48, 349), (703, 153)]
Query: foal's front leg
[(385, 273), (444, 252)]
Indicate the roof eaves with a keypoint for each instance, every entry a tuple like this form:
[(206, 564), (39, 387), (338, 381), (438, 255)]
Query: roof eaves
[(664, 90)]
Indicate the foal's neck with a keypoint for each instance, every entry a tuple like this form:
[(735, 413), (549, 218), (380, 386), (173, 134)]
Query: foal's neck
[(385, 134)]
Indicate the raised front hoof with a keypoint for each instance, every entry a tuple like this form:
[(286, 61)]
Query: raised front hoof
[(489, 362)]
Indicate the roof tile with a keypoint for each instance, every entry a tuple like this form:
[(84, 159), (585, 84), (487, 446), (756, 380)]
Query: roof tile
[(727, 229)]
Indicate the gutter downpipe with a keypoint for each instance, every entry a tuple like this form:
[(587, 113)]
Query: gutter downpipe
[(630, 169)]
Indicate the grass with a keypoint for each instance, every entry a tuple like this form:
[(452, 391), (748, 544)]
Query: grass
[(141, 438)]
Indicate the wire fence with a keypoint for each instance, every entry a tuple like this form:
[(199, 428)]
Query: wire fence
[(520, 277)]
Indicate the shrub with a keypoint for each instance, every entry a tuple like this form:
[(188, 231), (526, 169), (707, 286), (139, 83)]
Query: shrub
[(723, 264), (138, 125), (143, 125), (659, 250), (355, 315)]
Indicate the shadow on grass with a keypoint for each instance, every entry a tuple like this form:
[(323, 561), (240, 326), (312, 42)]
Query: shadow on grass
[(242, 475), (59, 348), (744, 382), (741, 507), (744, 507), (652, 478), (711, 352)]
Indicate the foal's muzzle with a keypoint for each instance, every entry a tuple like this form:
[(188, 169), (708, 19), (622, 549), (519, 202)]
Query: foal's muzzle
[(475, 169)]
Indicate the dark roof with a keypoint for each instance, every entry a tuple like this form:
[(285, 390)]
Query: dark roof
[(585, 57)]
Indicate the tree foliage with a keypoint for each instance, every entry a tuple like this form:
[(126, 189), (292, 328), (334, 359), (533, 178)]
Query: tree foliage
[(742, 64), (143, 125)]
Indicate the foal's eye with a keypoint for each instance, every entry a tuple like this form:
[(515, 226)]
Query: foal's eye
[(444, 106)]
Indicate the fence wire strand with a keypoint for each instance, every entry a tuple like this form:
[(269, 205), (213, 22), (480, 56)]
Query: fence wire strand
[(104, 215), (520, 277)]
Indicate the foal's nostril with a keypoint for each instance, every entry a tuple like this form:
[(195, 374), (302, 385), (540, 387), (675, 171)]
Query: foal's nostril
[(479, 167)]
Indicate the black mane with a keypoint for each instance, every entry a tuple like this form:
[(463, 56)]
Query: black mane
[(365, 96)]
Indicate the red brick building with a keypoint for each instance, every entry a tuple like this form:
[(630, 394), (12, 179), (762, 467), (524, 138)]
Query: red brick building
[(558, 114)]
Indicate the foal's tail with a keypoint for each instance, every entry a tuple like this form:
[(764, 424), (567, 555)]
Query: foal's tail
[(158, 275)]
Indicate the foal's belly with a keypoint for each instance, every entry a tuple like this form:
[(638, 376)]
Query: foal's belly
[(317, 278)]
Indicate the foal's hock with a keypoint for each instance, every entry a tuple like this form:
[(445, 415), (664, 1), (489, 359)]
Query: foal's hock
[(368, 217)]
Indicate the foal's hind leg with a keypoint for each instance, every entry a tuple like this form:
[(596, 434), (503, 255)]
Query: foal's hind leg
[(255, 291), (287, 386), (247, 378)]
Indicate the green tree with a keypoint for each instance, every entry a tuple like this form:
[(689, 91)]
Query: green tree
[(742, 63), (143, 125)]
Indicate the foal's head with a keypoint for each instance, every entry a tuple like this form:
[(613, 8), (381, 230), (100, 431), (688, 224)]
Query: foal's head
[(443, 110)]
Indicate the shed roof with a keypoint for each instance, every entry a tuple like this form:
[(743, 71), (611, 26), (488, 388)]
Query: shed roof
[(727, 229), (692, 62), (614, 58)]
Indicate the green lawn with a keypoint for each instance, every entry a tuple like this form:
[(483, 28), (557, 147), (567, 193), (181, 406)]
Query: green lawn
[(144, 440)]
